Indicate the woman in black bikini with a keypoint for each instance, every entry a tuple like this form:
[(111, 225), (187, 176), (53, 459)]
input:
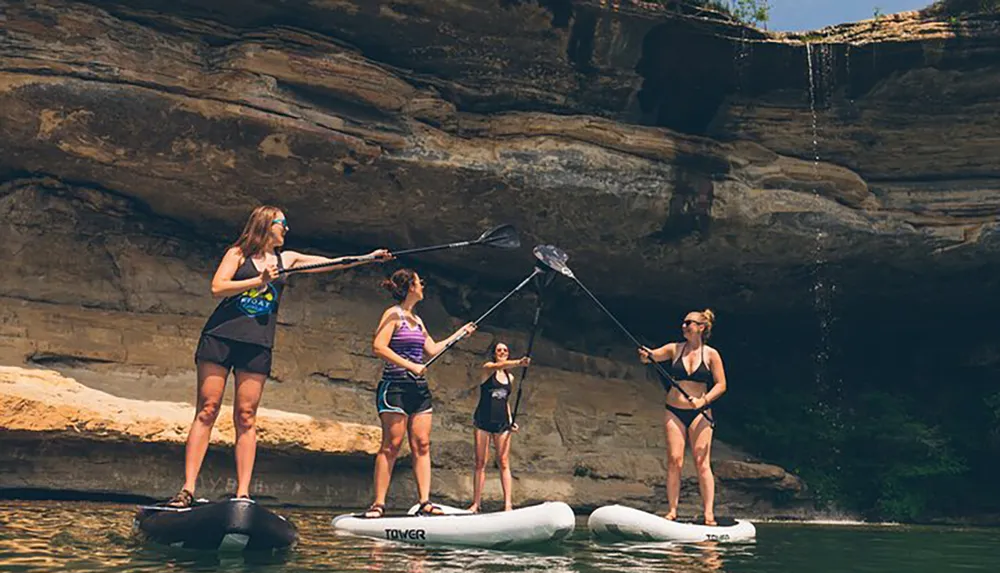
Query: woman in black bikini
[(698, 369), (239, 336), (492, 421)]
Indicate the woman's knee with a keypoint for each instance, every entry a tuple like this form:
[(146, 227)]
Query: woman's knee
[(503, 460), (391, 447), (675, 461), (480, 463), (208, 411), (245, 418), (421, 445)]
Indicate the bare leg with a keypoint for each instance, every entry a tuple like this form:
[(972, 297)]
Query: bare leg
[(393, 429), (674, 430), (482, 443), (419, 433), (502, 445), (249, 388), (700, 433), (211, 385)]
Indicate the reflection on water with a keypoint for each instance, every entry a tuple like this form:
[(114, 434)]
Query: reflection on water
[(87, 537)]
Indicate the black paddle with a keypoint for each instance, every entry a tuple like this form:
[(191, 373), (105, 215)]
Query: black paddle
[(554, 258), (534, 272), (540, 285), (501, 237)]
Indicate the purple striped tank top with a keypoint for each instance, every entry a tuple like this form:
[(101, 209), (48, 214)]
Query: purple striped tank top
[(408, 342)]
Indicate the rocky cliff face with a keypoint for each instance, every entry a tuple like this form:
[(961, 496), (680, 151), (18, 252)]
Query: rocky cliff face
[(680, 160)]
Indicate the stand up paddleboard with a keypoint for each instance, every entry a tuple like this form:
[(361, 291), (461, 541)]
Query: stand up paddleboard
[(232, 525), (617, 522), (549, 521)]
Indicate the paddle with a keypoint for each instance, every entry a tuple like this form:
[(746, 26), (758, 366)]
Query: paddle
[(540, 286), (555, 259), (501, 237), (534, 272)]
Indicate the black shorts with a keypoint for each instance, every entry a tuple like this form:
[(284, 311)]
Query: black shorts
[(233, 354), (402, 397), (491, 427)]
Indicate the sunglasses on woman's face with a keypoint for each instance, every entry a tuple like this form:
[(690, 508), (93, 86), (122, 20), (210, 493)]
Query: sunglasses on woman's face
[(690, 322), (282, 222)]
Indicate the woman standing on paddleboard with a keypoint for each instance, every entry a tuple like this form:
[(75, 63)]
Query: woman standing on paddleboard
[(698, 369), (404, 404), (239, 336), (493, 422)]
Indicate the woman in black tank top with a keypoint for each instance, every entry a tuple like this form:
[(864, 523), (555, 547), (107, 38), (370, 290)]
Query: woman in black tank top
[(698, 369), (238, 336), (492, 421)]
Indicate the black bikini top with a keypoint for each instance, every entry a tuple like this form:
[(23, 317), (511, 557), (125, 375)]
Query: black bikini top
[(701, 373)]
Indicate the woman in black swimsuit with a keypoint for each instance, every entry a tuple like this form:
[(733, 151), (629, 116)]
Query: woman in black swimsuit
[(698, 369), (238, 336), (492, 421)]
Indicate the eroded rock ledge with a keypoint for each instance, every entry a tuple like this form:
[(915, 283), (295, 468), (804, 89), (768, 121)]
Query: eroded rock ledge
[(60, 435)]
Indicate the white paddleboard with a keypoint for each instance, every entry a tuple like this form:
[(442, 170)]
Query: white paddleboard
[(618, 522), (549, 521)]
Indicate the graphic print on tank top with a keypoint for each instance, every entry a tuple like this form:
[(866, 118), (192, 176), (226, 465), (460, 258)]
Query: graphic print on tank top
[(258, 302)]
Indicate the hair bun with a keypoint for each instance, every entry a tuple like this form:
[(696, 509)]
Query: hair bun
[(709, 315)]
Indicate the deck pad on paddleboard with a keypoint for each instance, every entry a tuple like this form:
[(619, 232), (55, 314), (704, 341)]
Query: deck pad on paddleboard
[(550, 521), (618, 522)]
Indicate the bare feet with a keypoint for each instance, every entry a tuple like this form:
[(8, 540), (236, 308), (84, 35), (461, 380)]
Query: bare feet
[(671, 515), (710, 520), (474, 508), (508, 508)]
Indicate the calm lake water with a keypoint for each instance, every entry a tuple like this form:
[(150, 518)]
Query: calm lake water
[(85, 537)]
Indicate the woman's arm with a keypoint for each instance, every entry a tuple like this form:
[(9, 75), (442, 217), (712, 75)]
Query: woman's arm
[(223, 284), (380, 345), (504, 364), (432, 348), (661, 354), (718, 375), (293, 259)]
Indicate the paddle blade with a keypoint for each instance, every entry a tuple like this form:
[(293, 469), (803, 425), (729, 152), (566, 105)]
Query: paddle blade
[(502, 237), (553, 258)]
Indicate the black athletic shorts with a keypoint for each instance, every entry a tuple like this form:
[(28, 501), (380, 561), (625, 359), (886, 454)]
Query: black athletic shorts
[(234, 355), (490, 426), (403, 397)]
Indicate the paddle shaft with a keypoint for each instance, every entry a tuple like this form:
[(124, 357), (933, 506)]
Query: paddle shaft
[(477, 321), (366, 258), (659, 368), (531, 344)]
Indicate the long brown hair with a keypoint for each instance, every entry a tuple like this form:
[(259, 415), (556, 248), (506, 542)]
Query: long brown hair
[(257, 231)]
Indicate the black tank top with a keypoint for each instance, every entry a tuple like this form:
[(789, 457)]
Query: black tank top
[(492, 408), (252, 315)]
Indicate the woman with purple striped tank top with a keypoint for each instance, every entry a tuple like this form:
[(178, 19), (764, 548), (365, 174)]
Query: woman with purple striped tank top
[(404, 404)]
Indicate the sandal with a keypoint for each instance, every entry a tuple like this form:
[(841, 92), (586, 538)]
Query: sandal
[(377, 509), (428, 508), (181, 500)]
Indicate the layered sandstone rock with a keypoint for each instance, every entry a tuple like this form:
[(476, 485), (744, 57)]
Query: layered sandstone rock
[(676, 156)]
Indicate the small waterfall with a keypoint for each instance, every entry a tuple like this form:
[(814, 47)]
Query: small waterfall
[(820, 66)]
